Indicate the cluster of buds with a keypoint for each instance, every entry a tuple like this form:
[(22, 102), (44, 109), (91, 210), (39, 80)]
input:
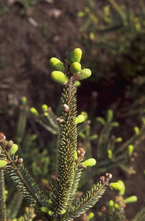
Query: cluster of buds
[(60, 74), (105, 179)]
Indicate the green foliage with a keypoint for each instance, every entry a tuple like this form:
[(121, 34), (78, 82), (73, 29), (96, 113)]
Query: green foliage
[(57, 200)]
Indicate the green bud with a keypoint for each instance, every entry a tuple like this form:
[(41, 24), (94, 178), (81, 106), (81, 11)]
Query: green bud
[(56, 64), (109, 154), (59, 77), (118, 139), (109, 115), (3, 163), (63, 211), (50, 213), (116, 206), (111, 203), (94, 137), (83, 74), (136, 130), (115, 186), (100, 120), (75, 67), (89, 163), (90, 216), (122, 191), (131, 199), (75, 55), (44, 107), (85, 114), (44, 209), (77, 83), (34, 112), (79, 119), (130, 149), (13, 149), (24, 100), (114, 124)]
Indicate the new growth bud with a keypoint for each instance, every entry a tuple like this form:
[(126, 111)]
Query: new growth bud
[(56, 64), (75, 55), (75, 67), (131, 199), (34, 112), (59, 77), (83, 74), (3, 163), (119, 185), (89, 163), (79, 119)]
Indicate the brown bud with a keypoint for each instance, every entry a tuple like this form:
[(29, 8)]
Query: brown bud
[(60, 120), (20, 160), (80, 152), (54, 176), (10, 144), (102, 178), (65, 108), (2, 138)]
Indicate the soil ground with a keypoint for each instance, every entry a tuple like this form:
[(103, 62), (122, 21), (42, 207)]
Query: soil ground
[(26, 45)]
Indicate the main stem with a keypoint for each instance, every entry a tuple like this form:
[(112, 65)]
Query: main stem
[(2, 197)]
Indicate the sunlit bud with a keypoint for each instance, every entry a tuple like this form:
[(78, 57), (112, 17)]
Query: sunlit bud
[(83, 74), (75, 67), (56, 64), (94, 137), (79, 119), (118, 186), (136, 130), (75, 55), (24, 100), (44, 107), (34, 112), (89, 163), (116, 206), (131, 199), (109, 115), (13, 149), (65, 108), (59, 77), (130, 149), (100, 120), (3, 163), (90, 216)]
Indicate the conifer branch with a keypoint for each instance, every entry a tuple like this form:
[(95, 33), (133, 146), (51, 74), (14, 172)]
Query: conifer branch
[(2, 197)]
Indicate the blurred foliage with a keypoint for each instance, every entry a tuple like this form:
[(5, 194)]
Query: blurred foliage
[(113, 34)]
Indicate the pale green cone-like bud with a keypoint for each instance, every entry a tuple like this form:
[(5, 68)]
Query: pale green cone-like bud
[(44, 209), (24, 100), (79, 119), (83, 74), (118, 186), (89, 163), (59, 77), (109, 115), (136, 130), (44, 107), (3, 163), (75, 55), (100, 120), (130, 149), (34, 112), (118, 139), (90, 216), (13, 149), (131, 199), (109, 154), (75, 67), (56, 64), (114, 124)]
